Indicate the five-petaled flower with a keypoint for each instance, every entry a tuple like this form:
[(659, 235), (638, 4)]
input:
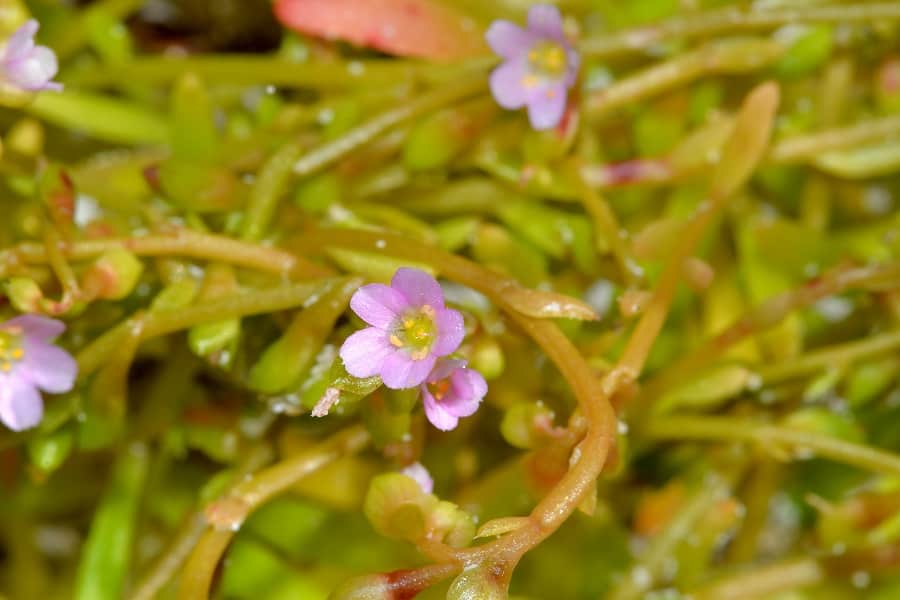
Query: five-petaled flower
[(452, 391), (539, 66), (30, 362), (27, 66), (410, 328)]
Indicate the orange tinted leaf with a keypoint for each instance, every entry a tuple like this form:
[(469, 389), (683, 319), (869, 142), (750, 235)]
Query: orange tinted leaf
[(423, 28)]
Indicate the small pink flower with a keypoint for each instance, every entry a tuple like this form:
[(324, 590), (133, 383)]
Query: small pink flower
[(27, 66), (410, 329), (30, 362), (539, 66), (452, 391), (420, 475)]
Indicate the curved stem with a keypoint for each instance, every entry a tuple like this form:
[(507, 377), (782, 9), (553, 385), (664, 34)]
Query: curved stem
[(228, 513)]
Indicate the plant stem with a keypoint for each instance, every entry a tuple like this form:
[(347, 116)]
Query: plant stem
[(162, 323), (764, 581), (733, 19), (181, 242), (228, 513), (327, 154), (730, 429)]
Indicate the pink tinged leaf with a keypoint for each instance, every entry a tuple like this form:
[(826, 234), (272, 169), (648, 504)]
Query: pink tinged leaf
[(48, 367), (508, 40), (450, 331), (544, 19), (400, 371), (365, 352), (423, 28), (378, 305), (21, 406), (508, 84), (546, 109), (35, 326), (418, 287), (436, 413)]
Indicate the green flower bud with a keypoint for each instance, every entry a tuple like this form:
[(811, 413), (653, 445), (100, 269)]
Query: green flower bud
[(397, 507), (477, 584), (367, 587), (24, 294), (487, 358), (48, 452), (525, 424), (114, 275), (454, 525)]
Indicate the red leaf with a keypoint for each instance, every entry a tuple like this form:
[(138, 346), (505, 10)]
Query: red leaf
[(423, 28)]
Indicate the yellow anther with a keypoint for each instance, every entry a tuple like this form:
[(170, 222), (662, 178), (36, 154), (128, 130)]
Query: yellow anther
[(18, 353), (419, 354), (396, 341), (408, 323), (7, 367), (427, 310), (529, 81)]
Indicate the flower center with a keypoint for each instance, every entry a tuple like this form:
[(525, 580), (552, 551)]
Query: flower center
[(11, 350), (547, 59), (415, 331), (439, 389)]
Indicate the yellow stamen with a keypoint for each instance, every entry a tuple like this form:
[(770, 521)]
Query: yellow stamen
[(396, 341), (18, 353)]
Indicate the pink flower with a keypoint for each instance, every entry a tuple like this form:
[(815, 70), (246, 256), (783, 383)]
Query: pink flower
[(452, 391), (420, 475), (410, 329), (539, 66), (27, 66), (28, 363)]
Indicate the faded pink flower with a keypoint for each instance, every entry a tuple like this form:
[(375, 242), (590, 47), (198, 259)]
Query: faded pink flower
[(27, 66), (452, 391), (418, 473), (539, 65), (410, 329), (29, 362)]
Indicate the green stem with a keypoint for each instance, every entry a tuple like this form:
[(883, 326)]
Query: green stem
[(733, 19), (729, 429), (330, 152), (158, 324)]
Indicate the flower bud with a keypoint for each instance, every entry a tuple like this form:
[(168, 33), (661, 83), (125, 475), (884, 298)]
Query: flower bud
[(397, 507), (24, 294), (367, 587), (114, 275), (49, 452), (487, 358), (454, 525), (477, 584), (525, 424)]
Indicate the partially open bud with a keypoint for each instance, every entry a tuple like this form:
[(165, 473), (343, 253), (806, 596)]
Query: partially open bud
[(114, 275), (397, 507), (477, 584)]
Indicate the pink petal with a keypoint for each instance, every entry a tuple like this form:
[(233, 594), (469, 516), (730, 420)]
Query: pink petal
[(21, 406), (468, 388), (36, 326), (420, 475), (546, 109), (378, 305), (48, 367), (418, 287), (508, 40), (545, 20), (34, 71), (508, 84), (400, 371), (22, 40), (436, 414), (450, 331), (365, 351), (444, 368)]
